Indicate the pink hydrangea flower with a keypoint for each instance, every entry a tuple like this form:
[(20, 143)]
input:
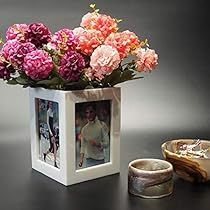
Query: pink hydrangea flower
[(22, 51), (101, 22), (64, 40), (88, 40), (125, 42), (71, 66), (15, 51), (38, 34), (17, 31), (38, 64), (147, 59), (9, 49), (104, 60)]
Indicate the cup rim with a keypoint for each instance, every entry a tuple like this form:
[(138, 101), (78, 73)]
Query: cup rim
[(167, 169)]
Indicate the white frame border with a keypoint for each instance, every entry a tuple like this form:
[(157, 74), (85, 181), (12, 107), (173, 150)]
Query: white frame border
[(67, 173), (112, 167), (58, 174)]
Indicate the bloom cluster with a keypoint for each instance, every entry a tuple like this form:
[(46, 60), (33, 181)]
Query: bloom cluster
[(90, 55)]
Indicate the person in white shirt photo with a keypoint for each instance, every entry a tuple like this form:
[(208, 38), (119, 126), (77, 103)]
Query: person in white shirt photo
[(94, 138)]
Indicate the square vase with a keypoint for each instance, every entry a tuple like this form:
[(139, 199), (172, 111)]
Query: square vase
[(75, 135)]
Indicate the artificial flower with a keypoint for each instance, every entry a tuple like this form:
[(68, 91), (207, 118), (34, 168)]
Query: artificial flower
[(100, 22), (38, 64), (125, 42), (146, 59), (64, 40), (104, 60), (38, 34), (71, 66), (17, 31)]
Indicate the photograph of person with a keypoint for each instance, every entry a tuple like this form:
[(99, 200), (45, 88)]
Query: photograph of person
[(48, 132), (92, 131)]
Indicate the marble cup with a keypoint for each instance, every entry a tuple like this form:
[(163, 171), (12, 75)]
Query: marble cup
[(150, 178)]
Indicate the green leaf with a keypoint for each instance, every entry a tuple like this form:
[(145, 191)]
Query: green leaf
[(127, 75), (21, 81), (89, 87), (12, 82), (23, 75), (48, 82), (134, 78), (111, 79), (25, 86)]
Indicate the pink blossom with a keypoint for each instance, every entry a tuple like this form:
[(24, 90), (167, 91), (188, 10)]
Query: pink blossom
[(78, 31), (38, 64), (125, 42), (17, 31), (147, 59), (22, 51), (9, 49), (88, 19), (88, 40), (15, 51), (104, 60), (71, 66), (101, 22), (64, 40), (38, 34)]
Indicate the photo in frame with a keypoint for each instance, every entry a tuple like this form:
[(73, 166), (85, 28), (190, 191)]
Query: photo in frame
[(92, 133), (48, 129)]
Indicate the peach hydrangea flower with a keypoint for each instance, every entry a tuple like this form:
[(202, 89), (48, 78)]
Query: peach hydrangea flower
[(147, 59), (104, 60), (88, 40), (101, 22), (78, 31), (125, 42)]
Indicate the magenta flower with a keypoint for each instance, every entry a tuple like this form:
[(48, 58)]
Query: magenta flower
[(9, 49), (38, 64), (64, 40), (38, 34), (15, 51), (71, 66), (22, 51), (17, 31)]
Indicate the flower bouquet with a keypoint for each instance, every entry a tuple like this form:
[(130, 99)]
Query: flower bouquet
[(90, 56)]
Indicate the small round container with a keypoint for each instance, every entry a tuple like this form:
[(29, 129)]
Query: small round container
[(150, 178)]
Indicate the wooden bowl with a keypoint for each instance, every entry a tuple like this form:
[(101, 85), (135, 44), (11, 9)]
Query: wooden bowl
[(190, 158)]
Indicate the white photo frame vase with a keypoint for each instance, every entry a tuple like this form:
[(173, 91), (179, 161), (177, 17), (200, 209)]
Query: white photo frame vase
[(67, 173)]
